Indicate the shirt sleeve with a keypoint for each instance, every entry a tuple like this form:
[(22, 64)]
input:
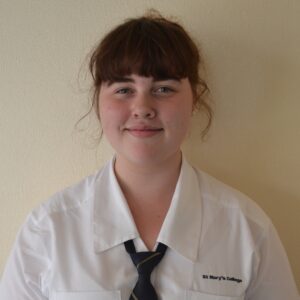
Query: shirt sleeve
[(28, 263), (273, 278)]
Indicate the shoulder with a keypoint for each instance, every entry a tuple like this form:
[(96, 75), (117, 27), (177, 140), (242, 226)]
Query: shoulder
[(233, 217), (217, 195), (77, 196)]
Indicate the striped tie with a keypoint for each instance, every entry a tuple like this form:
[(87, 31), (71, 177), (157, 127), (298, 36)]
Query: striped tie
[(145, 262)]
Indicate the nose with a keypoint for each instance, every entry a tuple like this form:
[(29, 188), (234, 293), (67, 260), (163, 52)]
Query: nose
[(143, 107)]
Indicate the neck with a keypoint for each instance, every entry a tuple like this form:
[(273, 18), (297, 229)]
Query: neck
[(148, 182)]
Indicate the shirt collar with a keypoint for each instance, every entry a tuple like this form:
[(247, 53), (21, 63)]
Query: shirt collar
[(112, 220), (113, 223), (182, 226)]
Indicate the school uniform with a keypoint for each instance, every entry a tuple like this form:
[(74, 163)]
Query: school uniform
[(221, 246)]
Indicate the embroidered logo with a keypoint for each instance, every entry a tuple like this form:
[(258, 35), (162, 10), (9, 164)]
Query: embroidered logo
[(222, 278)]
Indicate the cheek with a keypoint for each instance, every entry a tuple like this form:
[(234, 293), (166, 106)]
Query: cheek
[(105, 109), (179, 119), (112, 115)]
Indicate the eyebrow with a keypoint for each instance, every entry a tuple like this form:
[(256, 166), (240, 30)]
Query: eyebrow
[(129, 79)]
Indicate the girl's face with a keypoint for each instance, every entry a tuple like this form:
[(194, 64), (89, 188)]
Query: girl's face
[(146, 120)]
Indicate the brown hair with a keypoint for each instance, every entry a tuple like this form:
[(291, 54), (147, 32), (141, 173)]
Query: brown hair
[(150, 46)]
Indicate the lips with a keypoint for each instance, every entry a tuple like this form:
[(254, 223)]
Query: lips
[(143, 130)]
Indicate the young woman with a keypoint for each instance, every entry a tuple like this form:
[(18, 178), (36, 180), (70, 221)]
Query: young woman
[(147, 225)]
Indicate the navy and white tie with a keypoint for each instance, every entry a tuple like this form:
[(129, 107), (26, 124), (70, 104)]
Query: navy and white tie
[(145, 262)]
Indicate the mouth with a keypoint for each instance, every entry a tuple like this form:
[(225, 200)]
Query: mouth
[(143, 131)]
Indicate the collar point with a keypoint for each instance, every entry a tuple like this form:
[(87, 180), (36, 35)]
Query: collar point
[(101, 245)]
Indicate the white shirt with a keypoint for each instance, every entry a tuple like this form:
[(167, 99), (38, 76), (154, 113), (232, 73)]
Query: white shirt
[(221, 246)]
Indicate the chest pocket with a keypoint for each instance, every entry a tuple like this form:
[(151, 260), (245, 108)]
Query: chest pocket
[(99, 295), (193, 295)]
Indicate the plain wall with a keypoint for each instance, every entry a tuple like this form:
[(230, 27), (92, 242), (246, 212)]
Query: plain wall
[(251, 50)]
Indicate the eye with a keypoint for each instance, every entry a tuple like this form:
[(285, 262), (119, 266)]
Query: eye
[(124, 91), (163, 90)]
